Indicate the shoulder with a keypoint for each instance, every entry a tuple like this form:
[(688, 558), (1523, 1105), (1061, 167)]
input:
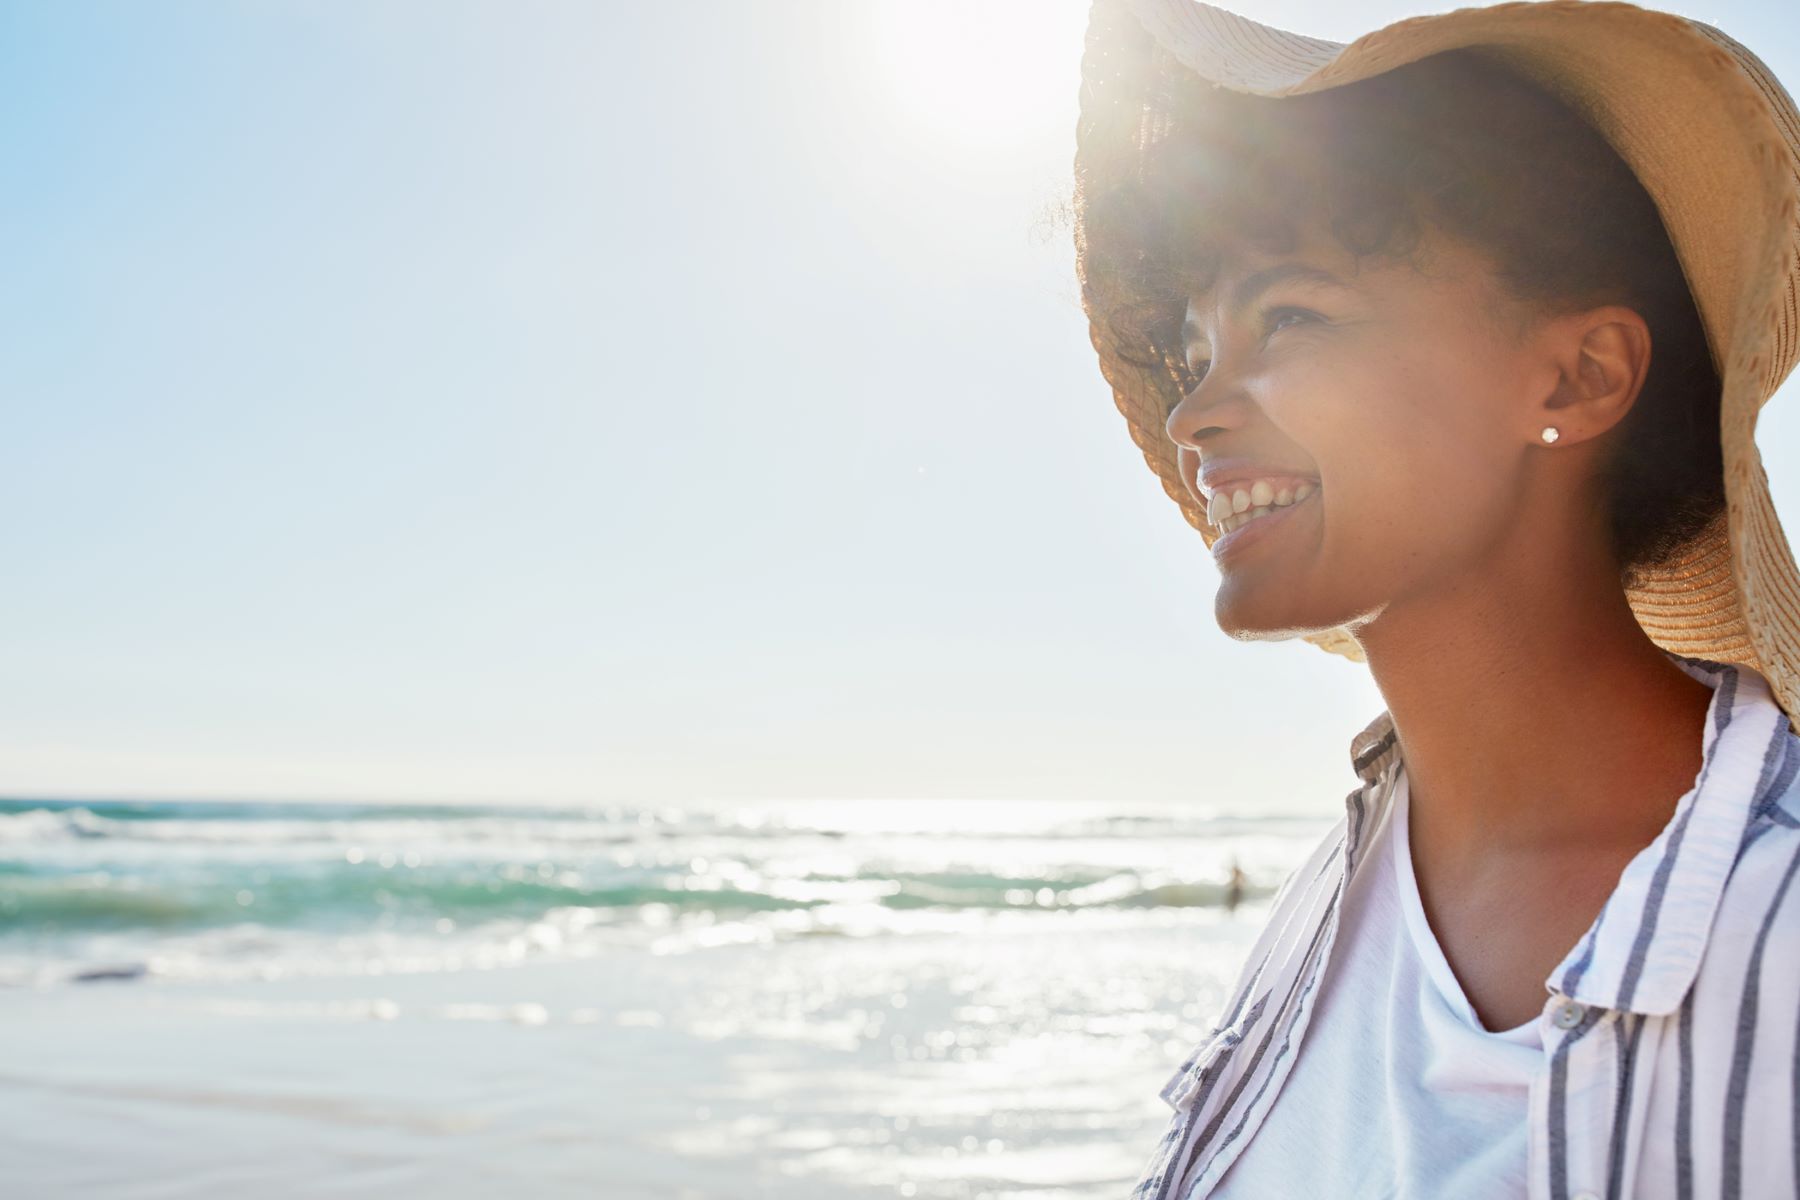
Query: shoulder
[(1300, 905), (1770, 846), (1317, 862), (1757, 925), (1736, 1028)]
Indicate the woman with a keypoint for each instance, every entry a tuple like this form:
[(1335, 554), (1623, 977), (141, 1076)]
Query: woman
[(1451, 344)]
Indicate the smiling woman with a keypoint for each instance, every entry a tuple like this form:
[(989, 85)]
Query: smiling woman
[(1454, 145), (1451, 343)]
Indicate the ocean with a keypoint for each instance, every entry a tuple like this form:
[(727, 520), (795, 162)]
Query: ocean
[(732, 1000)]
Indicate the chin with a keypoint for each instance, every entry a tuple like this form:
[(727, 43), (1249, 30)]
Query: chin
[(1245, 617)]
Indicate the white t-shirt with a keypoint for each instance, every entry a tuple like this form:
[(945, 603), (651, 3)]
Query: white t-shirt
[(1396, 1090)]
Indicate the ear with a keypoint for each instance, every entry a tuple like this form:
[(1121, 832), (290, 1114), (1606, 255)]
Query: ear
[(1602, 356)]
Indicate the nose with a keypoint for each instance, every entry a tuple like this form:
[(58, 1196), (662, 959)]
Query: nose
[(1208, 409)]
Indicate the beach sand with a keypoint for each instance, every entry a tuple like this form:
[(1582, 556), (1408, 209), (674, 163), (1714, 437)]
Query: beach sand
[(1017, 1064)]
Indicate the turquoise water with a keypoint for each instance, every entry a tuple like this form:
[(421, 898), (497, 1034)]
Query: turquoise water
[(220, 890), (811, 1001)]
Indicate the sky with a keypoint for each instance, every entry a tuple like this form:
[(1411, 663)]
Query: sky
[(661, 402)]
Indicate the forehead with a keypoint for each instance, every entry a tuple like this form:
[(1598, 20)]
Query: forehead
[(1219, 268)]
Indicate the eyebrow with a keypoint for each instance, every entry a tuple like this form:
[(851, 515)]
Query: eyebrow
[(1252, 286)]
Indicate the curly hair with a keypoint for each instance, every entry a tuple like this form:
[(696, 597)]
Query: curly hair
[(1461, 144)]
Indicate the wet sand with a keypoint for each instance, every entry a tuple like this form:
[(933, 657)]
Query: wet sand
[(1013, 1065)]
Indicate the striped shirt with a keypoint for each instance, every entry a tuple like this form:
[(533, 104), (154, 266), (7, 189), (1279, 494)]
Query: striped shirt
[(1671, 1029)]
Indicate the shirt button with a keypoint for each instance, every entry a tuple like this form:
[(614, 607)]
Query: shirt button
[(1568, 1015)]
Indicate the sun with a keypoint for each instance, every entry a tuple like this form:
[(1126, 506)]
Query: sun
[(978, 72)]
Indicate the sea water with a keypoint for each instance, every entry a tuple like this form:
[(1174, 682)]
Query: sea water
[(831, 999)]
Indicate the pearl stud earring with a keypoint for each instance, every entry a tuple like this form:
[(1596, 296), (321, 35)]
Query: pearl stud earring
[(1550, 434)]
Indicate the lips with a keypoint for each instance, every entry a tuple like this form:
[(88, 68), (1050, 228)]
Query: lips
[(1259, 527), (1220, 473), (1231, 507)]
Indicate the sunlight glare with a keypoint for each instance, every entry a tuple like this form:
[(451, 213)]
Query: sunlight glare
[(977, 72)]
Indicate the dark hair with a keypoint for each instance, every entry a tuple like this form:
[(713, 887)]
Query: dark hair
[(1460, 143)]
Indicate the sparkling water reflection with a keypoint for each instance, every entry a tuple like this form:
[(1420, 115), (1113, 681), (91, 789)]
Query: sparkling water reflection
[(820, 1002)]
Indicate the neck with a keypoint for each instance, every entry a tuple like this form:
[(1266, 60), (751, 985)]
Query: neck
[(1535, 719)]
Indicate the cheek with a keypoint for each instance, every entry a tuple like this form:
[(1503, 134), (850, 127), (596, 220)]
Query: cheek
[(1187, 463), (1399, 442), (1350, 418)]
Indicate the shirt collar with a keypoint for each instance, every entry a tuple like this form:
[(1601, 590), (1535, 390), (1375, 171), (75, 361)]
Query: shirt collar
[(1372, 750), (1643, 950)]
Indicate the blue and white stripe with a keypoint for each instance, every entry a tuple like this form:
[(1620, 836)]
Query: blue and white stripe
[(1671, 1029)]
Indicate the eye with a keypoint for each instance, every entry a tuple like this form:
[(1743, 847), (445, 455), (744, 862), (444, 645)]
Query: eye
[(1193, 370), (1281, 318)]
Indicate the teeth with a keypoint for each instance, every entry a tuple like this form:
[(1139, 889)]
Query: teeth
[(1227, 511), (1218, 508)]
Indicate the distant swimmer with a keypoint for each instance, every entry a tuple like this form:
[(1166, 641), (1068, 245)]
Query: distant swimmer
[(1234, 890), (94, 974)]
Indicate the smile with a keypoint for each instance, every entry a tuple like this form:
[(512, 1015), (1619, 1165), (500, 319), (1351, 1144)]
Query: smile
[(1230, 508), (1257, 523)]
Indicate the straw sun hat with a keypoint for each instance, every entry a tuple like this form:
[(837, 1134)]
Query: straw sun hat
[(1710, 133)]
